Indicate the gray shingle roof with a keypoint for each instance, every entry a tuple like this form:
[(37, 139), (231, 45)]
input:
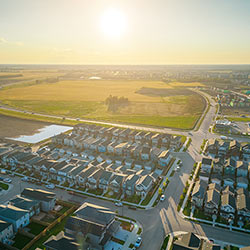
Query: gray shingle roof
[(38, 194)]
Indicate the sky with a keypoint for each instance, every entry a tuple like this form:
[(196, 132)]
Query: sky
[(125, 31)]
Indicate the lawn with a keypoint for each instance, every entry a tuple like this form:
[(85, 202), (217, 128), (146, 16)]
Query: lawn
[(239, 119), (4, 186), (201, 215), (35, 228), (20, 241), (133, 199), (152, 103), (165, 243)]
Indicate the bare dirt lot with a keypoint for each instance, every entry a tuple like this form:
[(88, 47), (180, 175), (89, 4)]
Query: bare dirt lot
[(13, 127)]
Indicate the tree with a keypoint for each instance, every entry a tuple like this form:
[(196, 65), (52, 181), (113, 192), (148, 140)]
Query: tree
[(160, 191), (164, 184)]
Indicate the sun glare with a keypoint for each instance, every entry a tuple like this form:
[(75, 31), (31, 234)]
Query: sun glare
[(113, 23)]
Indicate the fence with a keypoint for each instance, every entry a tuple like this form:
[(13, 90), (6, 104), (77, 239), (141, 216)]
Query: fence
[(43, 233)]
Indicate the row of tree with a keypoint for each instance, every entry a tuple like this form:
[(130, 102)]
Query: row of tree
[(114, 102)]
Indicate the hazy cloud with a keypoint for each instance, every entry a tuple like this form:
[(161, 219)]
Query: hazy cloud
[(5, 41)]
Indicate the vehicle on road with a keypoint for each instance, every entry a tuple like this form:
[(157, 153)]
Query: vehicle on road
[(177, 169), (25, 178), (223, 137), (138, 242), (50, 186), (132, 207), (7, 180), (119, 204), (162, 198), (190, 133)]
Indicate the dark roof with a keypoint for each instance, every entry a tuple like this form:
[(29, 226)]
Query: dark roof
[(199, 189), (228, 199), (187, 241), (24, 203), (38, 194), (12, 212), (190, 240), (4, 225), (61, 242), (206, 161), (77, 224), (95, 214)]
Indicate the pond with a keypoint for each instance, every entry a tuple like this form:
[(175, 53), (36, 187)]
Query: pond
[(43, 133)]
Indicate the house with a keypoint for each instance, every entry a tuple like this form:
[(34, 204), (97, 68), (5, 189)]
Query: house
[(32, 206), (243, 203), (16, 216), (212, 201), (228, 190), (93, 179), (6, 231), (145, 153), (228, 180), (138, 165), (116, 182), (223, 148), (246, 152), (119, 149), (228, 206), (206, 165), (216, 178), (242, 169), (164, 158), (94, 222), (212, 147), (83, 176), (129, 162), (175, 142), (234, 149), (143, 185), (149, 166), (242, 182), (198, 193), (47, 199), (129, 184), (61, 241), (204, 176), (230, 167), (218, 165), (104, 180), (187, 241)]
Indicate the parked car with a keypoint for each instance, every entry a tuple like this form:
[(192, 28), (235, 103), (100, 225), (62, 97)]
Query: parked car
[(162, 198), (25, 178), (7, 180), (177, 169), (138, 242), (50, 186), (119, 204)]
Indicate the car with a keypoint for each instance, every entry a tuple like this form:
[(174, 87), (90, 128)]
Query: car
[(50, 186), (162, 198), (119, 204), (190, 133), (7, 180), (177, 169), (25, 178), (138, 242)]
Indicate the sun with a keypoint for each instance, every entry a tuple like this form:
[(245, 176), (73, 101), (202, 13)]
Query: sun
[(113, 23)]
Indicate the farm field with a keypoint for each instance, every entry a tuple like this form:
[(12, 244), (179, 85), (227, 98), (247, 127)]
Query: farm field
[(150, 102)]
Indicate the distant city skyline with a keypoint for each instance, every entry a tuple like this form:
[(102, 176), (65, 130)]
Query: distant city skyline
[(124, 32)]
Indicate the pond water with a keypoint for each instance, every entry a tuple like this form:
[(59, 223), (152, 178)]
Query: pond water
[(43, 133)]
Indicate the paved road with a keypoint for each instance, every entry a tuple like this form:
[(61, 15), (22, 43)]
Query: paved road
[(164, 218)]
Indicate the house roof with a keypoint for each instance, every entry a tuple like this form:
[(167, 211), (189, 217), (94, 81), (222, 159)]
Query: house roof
[(38, 194), (228, 199), (206, 161), (12, 212), (96, 214), (213, 195), (187, 241), (243, 202), (199, 189), (23, 203), (61, 242), (4, 225)]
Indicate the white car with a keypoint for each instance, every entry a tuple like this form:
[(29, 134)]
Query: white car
[(119, 204), (7, 180), (50, 186), (162, 197), (177, 168)]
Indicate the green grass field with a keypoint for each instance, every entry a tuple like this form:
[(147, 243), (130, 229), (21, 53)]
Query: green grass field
[(239, 119), (168, 105)]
